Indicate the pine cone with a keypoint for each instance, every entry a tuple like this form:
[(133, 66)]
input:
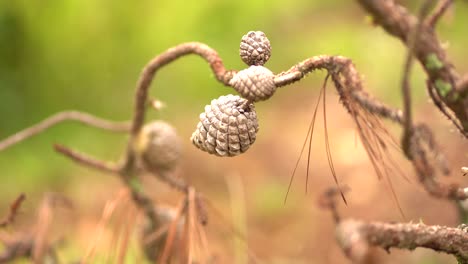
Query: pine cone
[(228, 127), (255, 83), (255, 48), (159, 146)]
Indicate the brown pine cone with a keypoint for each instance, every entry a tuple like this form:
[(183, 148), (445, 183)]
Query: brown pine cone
[(228, 127), (255, 48), (158, 146), (255, 83)]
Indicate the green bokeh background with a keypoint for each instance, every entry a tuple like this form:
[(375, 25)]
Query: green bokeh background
[(87, 54)]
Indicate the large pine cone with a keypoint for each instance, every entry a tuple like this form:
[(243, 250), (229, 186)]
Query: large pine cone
[(228, 127), (255, 83), (255, 48)]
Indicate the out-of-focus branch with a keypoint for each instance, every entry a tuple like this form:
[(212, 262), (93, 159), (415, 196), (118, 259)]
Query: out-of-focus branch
[(405, 86), (14, 208), (355, 237), (397, 21), (462, 85), (57, 118), (439, 11), (86, 160)]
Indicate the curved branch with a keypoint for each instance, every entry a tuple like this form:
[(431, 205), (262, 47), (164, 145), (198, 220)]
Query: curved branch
[(344, 66), (355, 237), (149, 71), (57, 118)]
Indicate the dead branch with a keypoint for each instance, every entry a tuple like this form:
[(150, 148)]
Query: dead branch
[(355, 237), (60, 117), (13, 212), (397, 21)]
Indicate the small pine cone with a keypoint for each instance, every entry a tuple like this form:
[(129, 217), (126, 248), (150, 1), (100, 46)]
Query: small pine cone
[(255, 83), (158, 146), (228, 127), (255, 48)]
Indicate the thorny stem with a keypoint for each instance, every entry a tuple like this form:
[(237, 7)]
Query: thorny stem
[(355, 237), (57, 118)]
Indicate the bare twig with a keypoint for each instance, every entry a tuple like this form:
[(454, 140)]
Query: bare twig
[(439, 11), (86, 160), (408, 119), (355, 237), (328, 201), (57, 118), (13, 212)]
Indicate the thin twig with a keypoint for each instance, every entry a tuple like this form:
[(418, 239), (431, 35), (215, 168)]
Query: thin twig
[(13, 212), (86, 160), (356, 237), (328, 200), (57, 118), (413, 38), (439, 11)]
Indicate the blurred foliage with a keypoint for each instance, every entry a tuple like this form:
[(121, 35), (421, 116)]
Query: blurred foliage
[(87, 54)]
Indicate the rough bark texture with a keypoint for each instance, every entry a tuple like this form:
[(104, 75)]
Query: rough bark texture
[(355, 237)]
